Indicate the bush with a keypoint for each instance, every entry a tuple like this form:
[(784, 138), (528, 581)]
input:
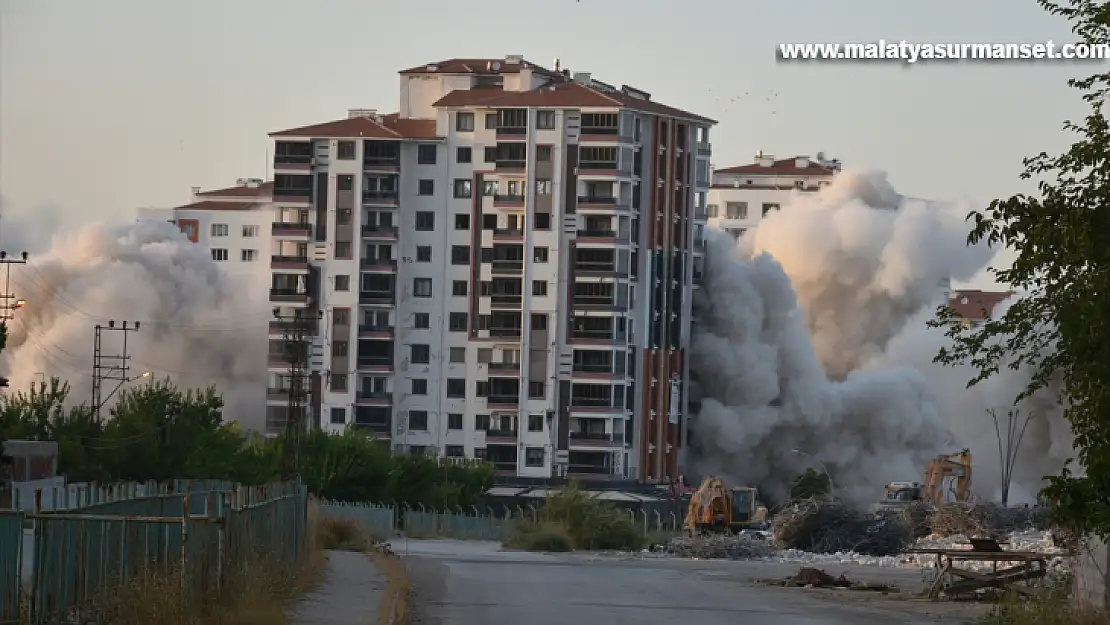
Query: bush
[(541, 537), (587, 522), (1049, 611)]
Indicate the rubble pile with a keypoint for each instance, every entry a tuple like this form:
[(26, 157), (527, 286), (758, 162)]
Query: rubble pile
[(816, 578), (986, 519), (719, 547), (828, 526)]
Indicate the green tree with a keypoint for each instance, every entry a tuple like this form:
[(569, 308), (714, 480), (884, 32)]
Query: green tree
[(1059, 328)]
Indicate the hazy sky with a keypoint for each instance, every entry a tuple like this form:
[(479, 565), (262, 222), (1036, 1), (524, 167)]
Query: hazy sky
[(112, 104)]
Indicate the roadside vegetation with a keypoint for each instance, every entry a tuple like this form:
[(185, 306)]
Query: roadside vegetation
[(1053, 610), (573, 520)]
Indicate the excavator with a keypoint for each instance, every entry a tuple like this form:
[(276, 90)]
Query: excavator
[(947, 479), (716, 508)]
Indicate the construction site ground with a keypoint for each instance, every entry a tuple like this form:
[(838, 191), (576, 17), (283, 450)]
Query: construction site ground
[(464, 583)]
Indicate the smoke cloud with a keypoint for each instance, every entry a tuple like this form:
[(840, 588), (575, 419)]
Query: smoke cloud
[(811, 350), (197, 326)]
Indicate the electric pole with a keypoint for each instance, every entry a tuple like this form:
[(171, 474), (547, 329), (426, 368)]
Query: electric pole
[(296, 328), (8, 301), (111, 367)]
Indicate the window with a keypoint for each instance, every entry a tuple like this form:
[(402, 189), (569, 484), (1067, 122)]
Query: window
[(422, 287), (421, 321), (545, 120), (339, 349), (543, 153), (250, 231), (543, 187), (345, 182), (457, 322), (458, 354), (338, 383), (341, 316), (481, 422), (219, 230), (489, 188), (540, 254), (462, 221), (418, 420), (460, 254), (342, 282), (535, 390), (456, 388), (711, 211), (462, 187), (346, 151), (464, 122), (420, 354), (533, 457), (219, 254), (343, 216), (485, 355), (491, 121), (489, 221), (455, 451), (426, 154), (423, 253), (535, 423), (420, 387), (736, 210), (425, 221), (248, 256), (543, 221), (539, 322), (539, 288), (458, 288), (454, 421), (427, 187), (342, 249), (462, 154), (489, 155), (768, 207), (338, 416)]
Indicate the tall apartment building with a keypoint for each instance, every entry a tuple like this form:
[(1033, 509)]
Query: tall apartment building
[(740, 196), (502, 268)]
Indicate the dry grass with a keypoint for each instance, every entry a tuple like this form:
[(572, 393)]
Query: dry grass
[(343, 535), (1051, 611), (394, 609)]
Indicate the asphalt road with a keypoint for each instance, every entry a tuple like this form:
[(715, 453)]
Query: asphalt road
[(468, 583)]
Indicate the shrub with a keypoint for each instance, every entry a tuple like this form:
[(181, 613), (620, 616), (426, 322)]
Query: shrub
[(541, 537), (588, 523)]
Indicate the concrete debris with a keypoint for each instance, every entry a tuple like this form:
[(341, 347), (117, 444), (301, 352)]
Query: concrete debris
[(828, 526), (986, 519), (719, 547)]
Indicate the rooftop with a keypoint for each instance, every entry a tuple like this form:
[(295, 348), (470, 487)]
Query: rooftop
[(218, 205), (511, 64), (366, 125), (795, 166), (975, 304), (244, 188)]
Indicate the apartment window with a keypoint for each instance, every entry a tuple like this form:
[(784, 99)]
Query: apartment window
[(345, 182), (455, 451), (423, 253), (343, 250), (462, 221), (426, 187), (426, 154), (539, 322), (533, 457), (346, 151), (219, 254), (421, 321), (342, 282), (418, 420), (338, 383), (340, 316), (457, 354), (543, 187), (339, 349), (425, 221), (542, 221), (489, 155), (481, 422), (545, 120), (460, 254), (250, 231), (768, 207), (454, 421), (462, 187), (485, 355), (464, 122), (457, 322), (420, 354), (539, 288), (491, 121), (338, 416), (543, 153), (422, 287), (489, 188), (343, 216), (540, 255), (456, 388), (219, 230), (462, 154), (535, 423), (458, 288), (248, 256), (420, 387), (535, 390), (711, 211), (736, 210)]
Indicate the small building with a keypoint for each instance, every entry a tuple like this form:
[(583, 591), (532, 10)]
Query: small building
[(28, 466)]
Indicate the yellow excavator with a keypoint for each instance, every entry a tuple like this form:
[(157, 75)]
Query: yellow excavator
[(715, 508), (947, 479)]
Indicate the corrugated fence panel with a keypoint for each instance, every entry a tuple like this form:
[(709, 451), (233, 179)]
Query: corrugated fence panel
[(377, 520), (418, 524), (11, 543)]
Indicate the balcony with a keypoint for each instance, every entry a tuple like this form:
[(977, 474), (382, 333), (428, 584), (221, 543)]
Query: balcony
[(288, 296), (506, 301), (381, 163), (503, 400), (699, 277), (288, 262), (292, 195), (600, 130), (598, 302), (602, 202), (293, 162), (510, 164), (700, 214), (592, 402), (508, 436), (380, 298), (306, 326), (585, 367), (699, 245), (381, 428), (375, 364), (512, 131), (705, 149), (502, 235), (600, 167), (374, 398), (506, 199), (504, 466), (504, 368), (375, 331), (511, 267), (380, 198), (378, 264), (379, 232), (291, 229), (593, 470), (505, 333), (596, 439), (601, 270)]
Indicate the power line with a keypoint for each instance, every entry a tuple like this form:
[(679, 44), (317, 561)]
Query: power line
[(295, 329), (114, 367)]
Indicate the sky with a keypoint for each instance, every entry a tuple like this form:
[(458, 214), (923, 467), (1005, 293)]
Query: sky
[(111, 105)]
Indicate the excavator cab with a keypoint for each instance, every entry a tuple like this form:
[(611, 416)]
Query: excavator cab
[(743, 504)]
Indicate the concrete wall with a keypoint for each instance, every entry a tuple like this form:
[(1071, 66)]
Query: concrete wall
[(1092, 575)]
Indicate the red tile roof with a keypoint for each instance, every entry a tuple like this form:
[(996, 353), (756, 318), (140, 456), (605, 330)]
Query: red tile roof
[(216, 205), (479, 67), (263, 190), (384, 127), (975, 304), (782, 167)]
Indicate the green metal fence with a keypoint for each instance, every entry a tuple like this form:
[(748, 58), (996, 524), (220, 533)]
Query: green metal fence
[(427, 524), (376, 519), (11, 548)]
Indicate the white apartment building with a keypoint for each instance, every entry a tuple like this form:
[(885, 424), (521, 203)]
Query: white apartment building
[(503, 268), (740, 196)]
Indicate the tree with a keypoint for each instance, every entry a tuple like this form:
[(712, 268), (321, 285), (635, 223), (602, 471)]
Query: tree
[(1059, 329)]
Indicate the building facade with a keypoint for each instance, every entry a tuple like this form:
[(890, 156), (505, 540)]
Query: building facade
[(500, 270), (976, 306), (740, 196)]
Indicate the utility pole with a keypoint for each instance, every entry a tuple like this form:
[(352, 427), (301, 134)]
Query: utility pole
[(8, 301), (110, 367), (295, 329)]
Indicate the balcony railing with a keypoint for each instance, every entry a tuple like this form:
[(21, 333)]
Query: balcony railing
[(511, 130), (508, 266), (501, 434), (379, 231), (292, 159), (597, 437), (506, 300), (598, 165), (377, 297), (307, 326), (378, 262), (291, 227), (508, 232), (505, 197), (597, 335), (504, 367), (507, 333), (375, 329), (503, 399), (380, 428), (591, 402), (598, 234), (381, 161), (510, 163), (605, 268), (372, 362), (583, 367), (698, 276), (374, 396), (699, 244), (704, 148), (297, 192), (589, 469), (289, 260), (600, 130), (379, 196), (504, 465), (288, 295), (596, 301)]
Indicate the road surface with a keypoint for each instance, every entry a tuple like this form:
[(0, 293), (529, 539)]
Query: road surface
[(348, 594), (471, 583)]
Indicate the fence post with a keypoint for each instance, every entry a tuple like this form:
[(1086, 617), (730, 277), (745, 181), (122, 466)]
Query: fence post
[(184, 541)]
